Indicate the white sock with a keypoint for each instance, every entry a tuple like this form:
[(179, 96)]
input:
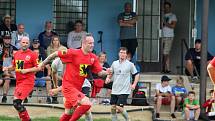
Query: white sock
[(89, 117)]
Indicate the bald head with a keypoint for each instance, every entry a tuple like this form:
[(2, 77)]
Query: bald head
[(87, 43), (24, 42)]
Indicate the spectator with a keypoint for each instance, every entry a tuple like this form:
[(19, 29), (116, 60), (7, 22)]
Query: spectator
[(45, 36), (191, 107), (55, 45), (17, 35), (211, 71), (75, 36), (6, 27), (122, 70), (180, 93), (127, 22), (169, 22), (164, 96), (7, 51), (209, 105), (45, 73), (193, 57)]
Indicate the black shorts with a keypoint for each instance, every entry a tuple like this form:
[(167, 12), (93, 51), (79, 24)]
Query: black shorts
[(119, 100), (86, 91)]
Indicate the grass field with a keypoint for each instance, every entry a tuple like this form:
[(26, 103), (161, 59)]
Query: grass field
[(4, 118)]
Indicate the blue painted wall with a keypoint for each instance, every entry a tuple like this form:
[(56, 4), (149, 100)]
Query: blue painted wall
[(33, 14), (103, 17), (211, 24)]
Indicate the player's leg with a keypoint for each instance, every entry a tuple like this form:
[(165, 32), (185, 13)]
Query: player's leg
[(113, 102), (88, 114), (122, 100), (82, 108)]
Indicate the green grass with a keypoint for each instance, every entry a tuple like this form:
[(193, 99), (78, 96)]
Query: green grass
[(4, 118)]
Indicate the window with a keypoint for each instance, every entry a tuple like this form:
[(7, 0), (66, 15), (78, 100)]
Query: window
[(8, 7), (66, 12)]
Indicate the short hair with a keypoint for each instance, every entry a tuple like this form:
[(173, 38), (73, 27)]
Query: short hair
[(48, 22), (127, 3), (123, 49), (79, 21), (101, 53), (85, 36), (198, 41), (191, 92), (168, 3)]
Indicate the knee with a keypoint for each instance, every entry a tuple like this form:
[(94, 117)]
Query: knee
[(186, 110), (17, 103), (159, 99)]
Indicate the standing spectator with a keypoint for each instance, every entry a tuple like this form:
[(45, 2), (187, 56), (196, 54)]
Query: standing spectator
[(211, 71), (74, 37), (45, 73), (127, 22), (164, 96), (7, 51), (55, 45), (6, 27), (122, 70), (45, 36), (169, 22), (191, 107), (17, 35), (193, 58), (209, 106), (24, 64), (180, 93)]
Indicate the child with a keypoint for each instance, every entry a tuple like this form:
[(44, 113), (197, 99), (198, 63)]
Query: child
[(210, 106), (191, 107), (180, 93)]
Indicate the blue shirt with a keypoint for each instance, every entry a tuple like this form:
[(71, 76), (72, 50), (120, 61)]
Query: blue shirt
[(179, 90)]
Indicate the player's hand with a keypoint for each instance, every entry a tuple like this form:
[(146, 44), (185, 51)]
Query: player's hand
[(109, 71), (108, 80)]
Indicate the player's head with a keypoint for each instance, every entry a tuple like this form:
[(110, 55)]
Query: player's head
[(87, 43), (24, 43), (123, 53), (191, 95)]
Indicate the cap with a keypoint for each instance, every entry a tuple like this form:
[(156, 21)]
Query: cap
[(36, 41), (198, 41), (6, 37), (165, 78)]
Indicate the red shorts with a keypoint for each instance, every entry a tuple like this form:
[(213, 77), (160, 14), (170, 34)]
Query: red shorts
[(23, 90), (72, 97), (166, 100)]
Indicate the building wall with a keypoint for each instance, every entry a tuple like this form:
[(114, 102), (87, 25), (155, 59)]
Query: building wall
[(33, 13), (103, 17), (211, 24)]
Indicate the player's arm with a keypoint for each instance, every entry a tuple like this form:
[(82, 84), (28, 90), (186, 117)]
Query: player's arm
[(211, 72), (49, 58), (136, 79), (29, 70), (9, 68)]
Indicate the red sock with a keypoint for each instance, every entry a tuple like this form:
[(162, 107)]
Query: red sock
[(79, 111), (65, 117), (24, 116)]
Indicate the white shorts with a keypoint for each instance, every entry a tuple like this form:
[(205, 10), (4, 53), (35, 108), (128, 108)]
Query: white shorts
[(167, 45)]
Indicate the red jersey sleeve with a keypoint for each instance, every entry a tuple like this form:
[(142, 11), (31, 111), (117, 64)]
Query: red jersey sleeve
[(35, 60), (66, 55), (96, 67), (213, 62)]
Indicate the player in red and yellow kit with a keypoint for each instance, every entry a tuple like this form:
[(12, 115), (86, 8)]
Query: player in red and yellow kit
[(78, 63), (25, 64), (211, 71)]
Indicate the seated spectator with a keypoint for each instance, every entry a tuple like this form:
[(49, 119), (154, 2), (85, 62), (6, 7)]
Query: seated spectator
[(55, 45), (74, 37), (46, 36), (164, 96), (180, 93), (191, 107), (7, 50), (7, 27), (193, 57), (44, 75), (17, 35), (210, 106)]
